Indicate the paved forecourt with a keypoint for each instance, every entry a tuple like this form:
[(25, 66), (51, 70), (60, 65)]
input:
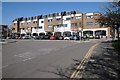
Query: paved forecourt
[(38, 59)]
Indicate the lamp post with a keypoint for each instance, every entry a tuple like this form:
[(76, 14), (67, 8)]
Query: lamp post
[(63, 25)]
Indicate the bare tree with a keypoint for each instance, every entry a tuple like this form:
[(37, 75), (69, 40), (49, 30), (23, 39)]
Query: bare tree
[(111, 17)]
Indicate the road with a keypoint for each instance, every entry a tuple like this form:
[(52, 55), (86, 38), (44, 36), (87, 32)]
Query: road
[(37, 59)]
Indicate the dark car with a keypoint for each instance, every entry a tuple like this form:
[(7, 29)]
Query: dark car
[(41, 37), (75, 37), (46, 37), (36, 37)]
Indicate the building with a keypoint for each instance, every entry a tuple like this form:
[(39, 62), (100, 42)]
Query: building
[(60, 23), (4, 31)]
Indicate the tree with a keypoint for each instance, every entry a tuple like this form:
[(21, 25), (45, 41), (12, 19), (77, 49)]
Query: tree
[(111, 17)]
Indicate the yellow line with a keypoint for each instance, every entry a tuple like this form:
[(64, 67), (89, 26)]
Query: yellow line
[(84, 60)]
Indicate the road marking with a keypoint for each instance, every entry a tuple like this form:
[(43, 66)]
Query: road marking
[(26, 59), (3, 66), (84, 60)]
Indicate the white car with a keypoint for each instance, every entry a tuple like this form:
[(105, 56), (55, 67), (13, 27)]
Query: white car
[(66, 38), (26, 37)]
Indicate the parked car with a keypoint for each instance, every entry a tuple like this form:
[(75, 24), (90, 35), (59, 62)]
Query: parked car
[(36, 37), (46, 37), (26, 37), (75, 37), (85, 37), (97, 36), (91, 37), (66, 38), (52, 38), (41, 37), (60, 37)]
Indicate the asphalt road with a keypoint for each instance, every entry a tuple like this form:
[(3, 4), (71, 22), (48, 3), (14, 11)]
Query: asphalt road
[(38, 59)]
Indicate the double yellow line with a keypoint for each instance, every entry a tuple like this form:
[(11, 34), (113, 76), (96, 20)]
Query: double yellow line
[(84, 60)]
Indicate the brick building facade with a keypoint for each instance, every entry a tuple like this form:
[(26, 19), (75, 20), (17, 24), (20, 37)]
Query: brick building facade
[(61, 22)]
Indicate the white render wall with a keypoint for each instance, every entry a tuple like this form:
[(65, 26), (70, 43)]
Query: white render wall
[(78, 14), (88, 14), (22, 31), (41, 24), (39, 30), (68, 28), (95, 29), (63, 29)]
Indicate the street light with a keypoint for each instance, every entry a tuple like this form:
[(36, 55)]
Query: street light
[(63, 25)]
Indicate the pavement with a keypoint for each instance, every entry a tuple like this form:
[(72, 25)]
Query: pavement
[(103, 63)]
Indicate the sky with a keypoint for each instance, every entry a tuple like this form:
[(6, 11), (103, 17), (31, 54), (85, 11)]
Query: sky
[(11, 10)]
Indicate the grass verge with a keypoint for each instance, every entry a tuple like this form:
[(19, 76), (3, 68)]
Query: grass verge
[(116, 45)]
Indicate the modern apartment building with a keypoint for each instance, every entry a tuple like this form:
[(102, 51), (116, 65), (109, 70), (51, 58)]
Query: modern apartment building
[(61, 23)]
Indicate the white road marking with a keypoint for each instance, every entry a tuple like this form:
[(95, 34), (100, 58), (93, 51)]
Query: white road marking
[(25, 56), (3, 66), (26, 59)]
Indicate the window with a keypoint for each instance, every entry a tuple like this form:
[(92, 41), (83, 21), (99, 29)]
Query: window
[(50, 15), (28, 23), (58, 26), (68, 13), (78, 17), (28, 28), (35, 22), (68, 18), (96, 23), (35, 27), (49, 26), (89, 23), (49, 20), (42, 21), (14, 23), (88, 17), (40, 27), (73, 24), (13, 28), (58, 19), (45, 16), (22, 24), (80, 24), (72, 17), (64, 25), (22, 28)]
